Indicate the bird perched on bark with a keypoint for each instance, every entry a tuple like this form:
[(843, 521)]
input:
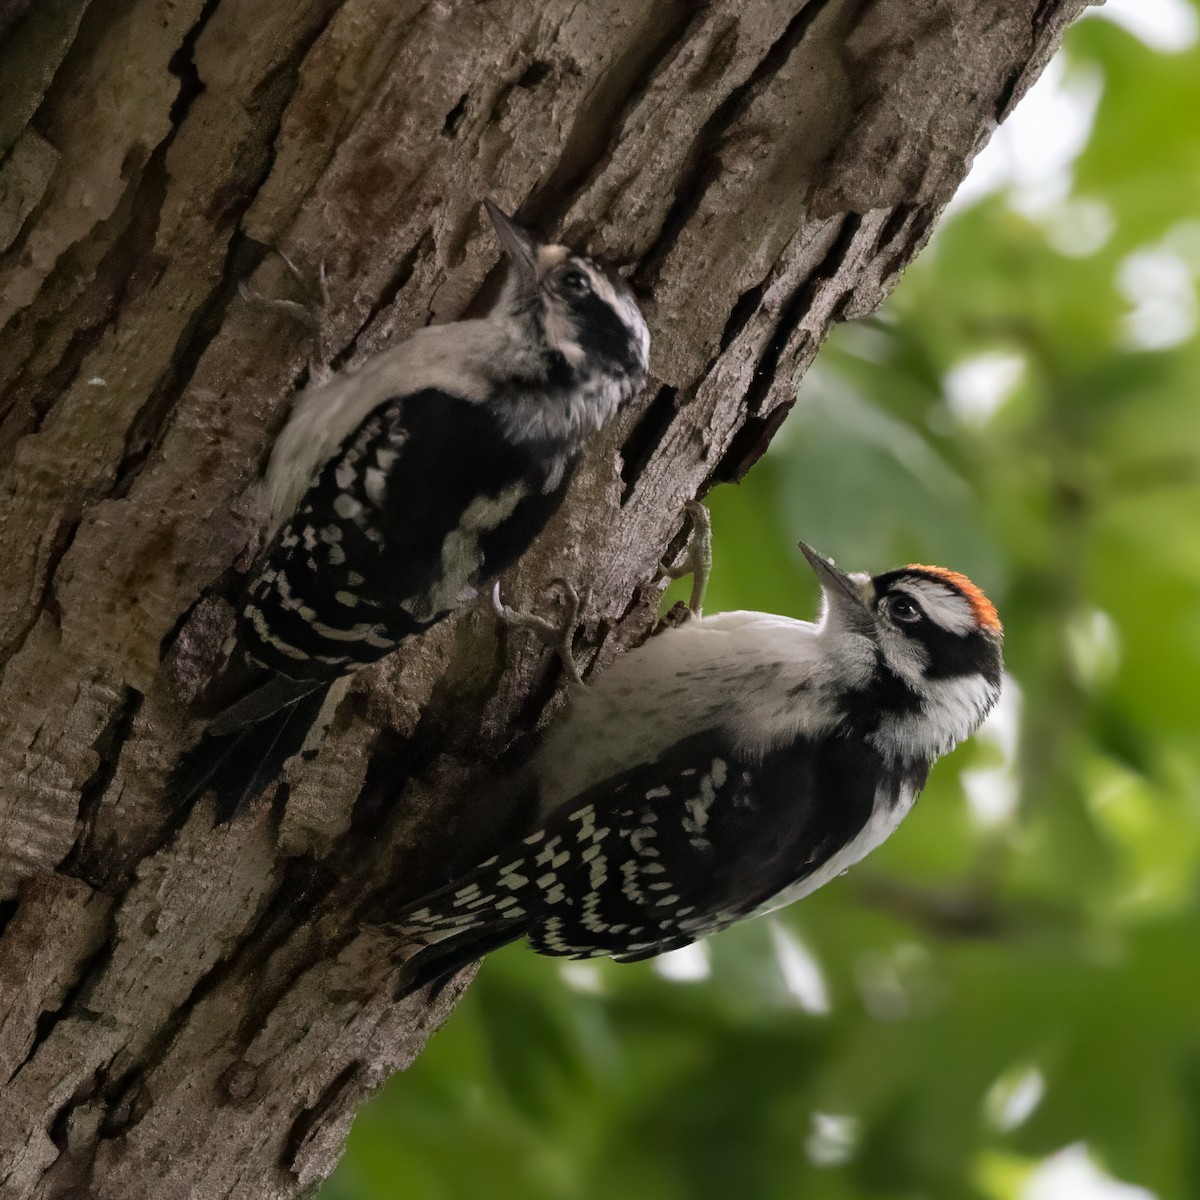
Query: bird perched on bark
[(400, 486), (725, 768)]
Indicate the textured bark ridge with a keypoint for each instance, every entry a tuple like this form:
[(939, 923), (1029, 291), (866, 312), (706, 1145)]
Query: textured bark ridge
[(190, 1011)]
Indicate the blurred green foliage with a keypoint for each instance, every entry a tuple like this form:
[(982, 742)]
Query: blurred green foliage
[(1018, 970)]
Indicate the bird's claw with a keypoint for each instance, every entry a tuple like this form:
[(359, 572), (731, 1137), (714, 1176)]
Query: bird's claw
[(697, 557), (559, 634), (309, 312)]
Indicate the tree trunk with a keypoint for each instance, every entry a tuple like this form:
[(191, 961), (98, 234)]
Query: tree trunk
[(197, 1011)]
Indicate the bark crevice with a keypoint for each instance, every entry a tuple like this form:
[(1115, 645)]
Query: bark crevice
[(704, 166)]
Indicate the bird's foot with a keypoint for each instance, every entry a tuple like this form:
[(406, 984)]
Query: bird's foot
[(697, 557), (557, 634), (311, 312)]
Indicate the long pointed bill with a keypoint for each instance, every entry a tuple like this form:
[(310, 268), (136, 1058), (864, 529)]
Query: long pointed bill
[(519, 246), (835, 581)]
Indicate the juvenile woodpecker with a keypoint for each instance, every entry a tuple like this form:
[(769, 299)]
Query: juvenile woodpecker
[(726, 768), (399, 487)]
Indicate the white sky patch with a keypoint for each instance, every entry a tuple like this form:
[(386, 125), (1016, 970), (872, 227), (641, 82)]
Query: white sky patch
[(1032, 153), (1014, 1098), (832, 1139), (1072, 1175), (802, 974), (992, 792), (976, 387), (582, 977), (688, 964), (1158, 284), (1168, 26)]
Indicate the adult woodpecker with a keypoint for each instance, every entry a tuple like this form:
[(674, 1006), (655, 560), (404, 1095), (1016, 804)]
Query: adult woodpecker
[(723, 769), (400, 486)]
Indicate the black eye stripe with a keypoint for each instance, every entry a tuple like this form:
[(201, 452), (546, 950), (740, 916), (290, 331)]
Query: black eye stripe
[(951, 653), (602, 333)]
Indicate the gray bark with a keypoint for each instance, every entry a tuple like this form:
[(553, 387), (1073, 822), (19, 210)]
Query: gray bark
[(190, 1011)]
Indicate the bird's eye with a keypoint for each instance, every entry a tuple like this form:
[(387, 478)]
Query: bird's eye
[(575, 281), (904, 609)]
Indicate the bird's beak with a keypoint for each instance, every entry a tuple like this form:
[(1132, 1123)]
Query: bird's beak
[(837, 585), (519, 247)]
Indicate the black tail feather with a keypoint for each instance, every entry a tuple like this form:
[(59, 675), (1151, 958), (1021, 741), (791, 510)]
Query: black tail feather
[(438, 963), (238, 765), (275, 695)]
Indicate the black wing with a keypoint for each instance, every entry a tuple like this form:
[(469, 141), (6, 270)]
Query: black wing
[(661, 855), (369, 558)]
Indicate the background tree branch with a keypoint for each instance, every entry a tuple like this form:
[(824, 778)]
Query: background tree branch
[(197, 1011)]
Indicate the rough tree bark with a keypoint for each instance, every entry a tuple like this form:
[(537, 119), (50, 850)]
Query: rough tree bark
[(190, 1011)]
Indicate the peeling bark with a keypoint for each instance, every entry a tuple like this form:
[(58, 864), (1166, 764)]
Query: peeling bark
[(194, 1011)]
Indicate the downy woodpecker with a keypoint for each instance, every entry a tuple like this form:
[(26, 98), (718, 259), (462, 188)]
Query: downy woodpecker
[(399, 487), (723, 769)]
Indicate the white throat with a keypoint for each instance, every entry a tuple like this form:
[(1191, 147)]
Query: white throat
[(951, 710)]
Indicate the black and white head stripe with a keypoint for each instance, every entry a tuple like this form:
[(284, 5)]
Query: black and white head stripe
[(945, 617), (934, 641), (942, 604), (939, 648), (589, 314), (941, 584)]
